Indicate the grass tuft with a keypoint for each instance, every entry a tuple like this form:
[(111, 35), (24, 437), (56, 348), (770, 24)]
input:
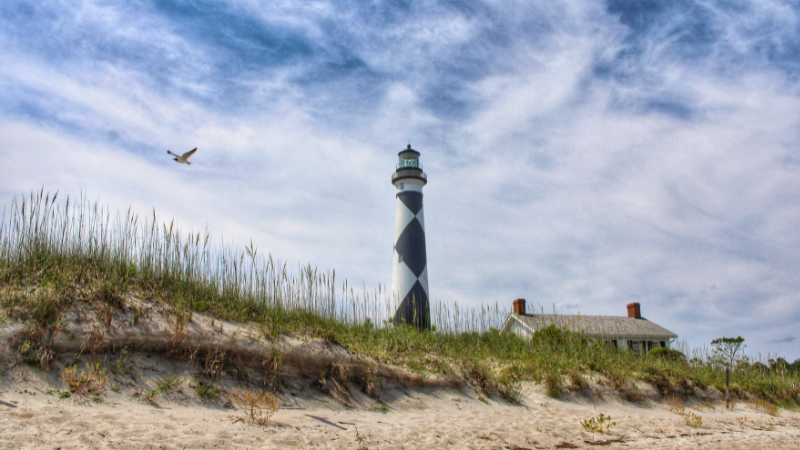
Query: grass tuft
[(510, 391), (207, 390), (169, 382), (258, 405), (600, 424), (91, 381), (380, 408), (676, 404), (693, 420), (553, 383), (123, 365), (765, 406)]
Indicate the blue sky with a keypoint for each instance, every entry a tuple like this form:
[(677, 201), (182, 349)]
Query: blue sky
[(580, 154)]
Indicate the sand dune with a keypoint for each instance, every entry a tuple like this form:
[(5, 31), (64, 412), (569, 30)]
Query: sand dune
[(407, 412)]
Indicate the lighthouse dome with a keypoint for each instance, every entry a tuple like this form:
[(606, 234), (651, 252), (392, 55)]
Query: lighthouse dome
[(408, 150)]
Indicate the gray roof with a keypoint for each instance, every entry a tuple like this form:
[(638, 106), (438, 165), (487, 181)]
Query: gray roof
[(595, 326)]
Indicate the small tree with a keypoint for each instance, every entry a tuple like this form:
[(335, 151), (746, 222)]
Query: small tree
[(726, 348)]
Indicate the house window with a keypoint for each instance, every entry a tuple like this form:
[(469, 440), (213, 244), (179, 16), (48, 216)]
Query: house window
[(635, 346)]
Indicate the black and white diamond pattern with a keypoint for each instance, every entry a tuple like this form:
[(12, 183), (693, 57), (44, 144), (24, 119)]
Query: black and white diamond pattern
[(410, 265)]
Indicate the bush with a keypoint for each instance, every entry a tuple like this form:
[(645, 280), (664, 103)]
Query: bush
[(668, 354), (557, 337), (759, 368)]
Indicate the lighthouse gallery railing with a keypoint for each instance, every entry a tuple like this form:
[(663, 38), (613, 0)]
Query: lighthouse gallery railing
[(409, 174)]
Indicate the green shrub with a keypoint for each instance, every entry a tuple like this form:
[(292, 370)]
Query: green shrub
[(668, 354), (207, 391)]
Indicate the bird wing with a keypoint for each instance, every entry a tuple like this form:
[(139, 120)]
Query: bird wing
[(189, 153), (173, 154)]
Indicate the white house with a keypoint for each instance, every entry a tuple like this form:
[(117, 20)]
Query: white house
[(632, 332)]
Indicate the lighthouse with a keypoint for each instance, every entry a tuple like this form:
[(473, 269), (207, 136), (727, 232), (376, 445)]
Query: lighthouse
[(410, 267)]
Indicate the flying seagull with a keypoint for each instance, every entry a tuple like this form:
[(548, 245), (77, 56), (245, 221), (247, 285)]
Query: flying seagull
[(183, 158)]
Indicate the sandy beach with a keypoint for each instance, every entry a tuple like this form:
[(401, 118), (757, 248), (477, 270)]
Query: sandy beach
[(30, 417)]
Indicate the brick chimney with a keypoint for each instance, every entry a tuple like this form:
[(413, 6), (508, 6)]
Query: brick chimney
[(519, 306), (634, 311)]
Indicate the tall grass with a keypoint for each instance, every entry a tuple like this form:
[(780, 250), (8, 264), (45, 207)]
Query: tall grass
[(39, 235), (60, 246)]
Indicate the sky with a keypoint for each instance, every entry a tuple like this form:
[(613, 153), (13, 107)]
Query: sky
[(580, 154)]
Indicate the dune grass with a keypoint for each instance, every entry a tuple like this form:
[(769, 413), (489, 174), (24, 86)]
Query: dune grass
[(51, 250)]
